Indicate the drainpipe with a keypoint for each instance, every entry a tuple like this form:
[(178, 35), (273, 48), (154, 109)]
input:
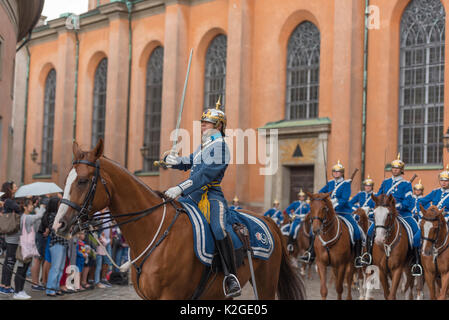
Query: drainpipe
[(22, 176), (130, 36), (365, 80), (75, 99)]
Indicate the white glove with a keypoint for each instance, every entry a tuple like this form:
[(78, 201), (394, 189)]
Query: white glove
[(334, 202), (172, 160), (173, 192)]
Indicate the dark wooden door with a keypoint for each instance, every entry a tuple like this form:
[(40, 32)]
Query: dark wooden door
[(300, 177)]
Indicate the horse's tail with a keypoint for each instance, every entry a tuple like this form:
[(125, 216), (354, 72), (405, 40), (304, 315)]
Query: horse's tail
[(290, 283)]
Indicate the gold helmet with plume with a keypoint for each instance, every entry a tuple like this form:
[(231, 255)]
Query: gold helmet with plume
[(301, 193), (398, 163), (215, 116), (275, 202), (235, 199), (368, 181), (338, 167), (418, 186), (444, 175)]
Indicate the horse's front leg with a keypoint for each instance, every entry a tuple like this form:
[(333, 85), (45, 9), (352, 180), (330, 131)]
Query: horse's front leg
[(429, 276), (339, 279), (395, 279), (383, 277), (444, 286), (322, 274)]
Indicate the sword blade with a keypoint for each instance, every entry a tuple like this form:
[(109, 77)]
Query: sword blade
[(182, 103), (250, 262)]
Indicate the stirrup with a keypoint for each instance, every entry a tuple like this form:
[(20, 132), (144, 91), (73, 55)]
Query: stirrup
[(235, 293), (289, 247), (306, 257), (414, 267), (366, 258), (358, 262)]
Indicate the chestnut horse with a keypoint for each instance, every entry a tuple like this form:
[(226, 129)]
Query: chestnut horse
[(390, 248), (170, 269), (302, 243), (434, 254), (332, 244)]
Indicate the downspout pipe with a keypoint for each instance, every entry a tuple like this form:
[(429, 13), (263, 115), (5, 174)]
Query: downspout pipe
[(25, 120), (75, 98), (129, 5), (365, 88)]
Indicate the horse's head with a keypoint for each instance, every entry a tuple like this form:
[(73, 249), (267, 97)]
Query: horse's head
[(431, 223), (321, 210), (384, 216), (82, 195)]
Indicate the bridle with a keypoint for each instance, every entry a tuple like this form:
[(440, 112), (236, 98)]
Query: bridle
[(324, 221), (436, 250), (388, 228), (84, 222), (433, 241)]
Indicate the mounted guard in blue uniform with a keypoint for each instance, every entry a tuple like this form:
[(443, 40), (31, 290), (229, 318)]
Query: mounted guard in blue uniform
[(363, 199), (401, 190), (340, 192), (275, 214), (418, 190), (207, 167), (297, 210), (439, 197)]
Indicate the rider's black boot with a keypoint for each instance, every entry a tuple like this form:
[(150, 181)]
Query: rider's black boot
[(231, 285), (367, 257), (290, 243), (416, 267), (358, 250), (309, 255)]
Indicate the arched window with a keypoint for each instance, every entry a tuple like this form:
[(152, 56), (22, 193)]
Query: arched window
[(421, 97), (99, 105), (153, 104), (303, 69), (49, 123), (215, 72)]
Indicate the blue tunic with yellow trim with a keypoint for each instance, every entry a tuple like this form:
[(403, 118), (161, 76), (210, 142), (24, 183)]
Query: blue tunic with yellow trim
[(207, 167)]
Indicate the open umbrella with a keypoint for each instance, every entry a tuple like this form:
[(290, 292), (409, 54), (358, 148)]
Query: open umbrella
[(37, 189)]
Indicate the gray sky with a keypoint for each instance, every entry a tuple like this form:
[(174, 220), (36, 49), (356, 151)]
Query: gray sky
[(53, 8)]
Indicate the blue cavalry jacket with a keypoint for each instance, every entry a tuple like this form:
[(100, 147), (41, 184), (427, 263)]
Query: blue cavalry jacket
[(402, 192), (275, 214), (362, 199), (341, 191), (207, 167), (300, 209), (438, 197)]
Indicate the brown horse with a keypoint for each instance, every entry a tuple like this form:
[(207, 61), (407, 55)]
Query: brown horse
[(363, 222), (434, 254), (170, 269), (302, 243), (390, 248), (332, 244)]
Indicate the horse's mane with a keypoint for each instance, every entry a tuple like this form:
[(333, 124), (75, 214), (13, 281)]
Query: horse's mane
[(140, 182)]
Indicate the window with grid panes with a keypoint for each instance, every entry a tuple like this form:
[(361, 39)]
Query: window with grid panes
[(303, 69), (421, 103), (153, 104), (99, 103), (49, 124), (215, 73)]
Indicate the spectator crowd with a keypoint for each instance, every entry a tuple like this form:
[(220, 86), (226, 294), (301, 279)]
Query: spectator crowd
[(53, 265)]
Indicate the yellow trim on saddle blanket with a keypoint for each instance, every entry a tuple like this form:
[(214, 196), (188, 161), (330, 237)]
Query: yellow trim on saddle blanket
[(204, 204)]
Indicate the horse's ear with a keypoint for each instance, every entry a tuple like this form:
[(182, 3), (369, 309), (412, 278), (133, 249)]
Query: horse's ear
[(327, 195), (375, 199), (422, 209), (98, 150), (309, 194), (391, 200), (77, 152)]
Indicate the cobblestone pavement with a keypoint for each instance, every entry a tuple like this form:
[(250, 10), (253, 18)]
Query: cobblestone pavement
[(127, 292)]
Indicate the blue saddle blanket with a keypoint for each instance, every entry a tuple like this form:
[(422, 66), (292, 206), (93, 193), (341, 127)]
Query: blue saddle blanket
[(261, 239)]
